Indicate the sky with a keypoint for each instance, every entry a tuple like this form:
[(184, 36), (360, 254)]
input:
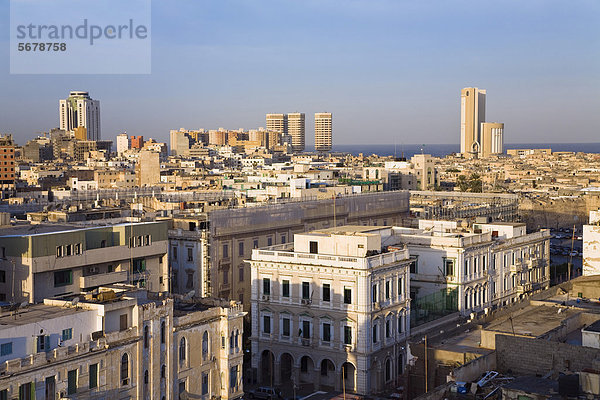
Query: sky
[(390, 71)]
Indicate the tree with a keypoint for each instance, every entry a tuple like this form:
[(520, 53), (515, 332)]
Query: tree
[(462, 183)]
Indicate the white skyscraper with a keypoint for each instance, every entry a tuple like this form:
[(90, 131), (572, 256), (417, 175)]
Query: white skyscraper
[(80, 110), (323, 131), (296, 130), (472, 115)]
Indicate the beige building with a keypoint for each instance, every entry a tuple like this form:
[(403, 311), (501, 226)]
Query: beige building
[(323, 131), (331, 309), (45, 260), (118, 344), (277, 123), (472, 115), (296, 129), (147, 168), (492, 138)]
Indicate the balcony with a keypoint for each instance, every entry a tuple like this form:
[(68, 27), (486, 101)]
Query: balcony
[(515, 269), (102, 279)]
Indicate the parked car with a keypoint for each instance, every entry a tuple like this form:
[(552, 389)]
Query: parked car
[(265, 392)]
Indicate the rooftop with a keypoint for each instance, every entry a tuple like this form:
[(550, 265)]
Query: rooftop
[(534, 321), (34, 313)]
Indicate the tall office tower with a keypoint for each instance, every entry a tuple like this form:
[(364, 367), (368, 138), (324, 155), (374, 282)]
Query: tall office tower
[(296, 131), (492, 138), (323, 132), (472, 114), (277, 123), (122, 143), (80, 110)]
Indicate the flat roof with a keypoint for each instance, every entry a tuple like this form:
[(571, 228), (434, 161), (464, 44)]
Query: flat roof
[(348, 230), (46, 228), (534, 321), (35, 313)]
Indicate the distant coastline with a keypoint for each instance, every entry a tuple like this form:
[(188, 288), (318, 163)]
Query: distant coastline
[(441, 150)]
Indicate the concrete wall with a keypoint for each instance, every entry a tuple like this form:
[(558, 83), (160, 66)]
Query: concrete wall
[(475, 368), (534, 356)]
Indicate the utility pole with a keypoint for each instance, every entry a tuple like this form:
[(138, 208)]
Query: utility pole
[(425, 363)]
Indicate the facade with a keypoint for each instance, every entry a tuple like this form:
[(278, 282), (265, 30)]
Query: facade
[(41, 261), (323, 131), (492, 138), (123, 143), (7, 163), (147, 168), (80, 110), (296, 129), (180, 143), (332, 309), (277, 123), (491, 265), (591, 245), (472, 115), (420, 173), (120, 344), (221, 241), (137, 142)]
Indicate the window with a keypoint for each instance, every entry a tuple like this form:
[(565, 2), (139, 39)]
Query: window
[(241, 274), (49, 389), (163, 371), (388, 290), (375, 332), (374, 293), (93, 376), (282, 239), (139, 265), (285, 326), (305, 290), (174, 252), (347, 335), (400, 287), (267, 324), (125, 370), (326, 292), (72, 382), (285, 288), (267, 286), (204, 345), (146, 378), (189, 284), (233, 381), (388, 328), (255, 244), (313, 247), (123, 322), (414, 268), (304, 364), (67, 334), (449, 266), (59, 251), (204, 383), (43, 343), (240, 249), (190, 254), (6, 349), (63, 278), (388, 370), (400, 323), (347, 296), (27, 391), (182, 350), (306, 329), (181, 388), (146, 337), (147, 240), (466, 266), (326, 332), (225, 251), (2, 276), (269, 241)]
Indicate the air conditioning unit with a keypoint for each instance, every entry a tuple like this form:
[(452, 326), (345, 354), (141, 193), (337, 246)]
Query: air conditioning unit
[(265, 297), (306, 302), (93, 270)]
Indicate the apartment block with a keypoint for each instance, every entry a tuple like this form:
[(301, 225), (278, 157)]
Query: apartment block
[(80, 110), (331, 308), (45, 260), (122, 343), (323, 131)]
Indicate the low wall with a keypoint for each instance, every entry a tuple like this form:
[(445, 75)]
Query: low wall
[(474, 369)]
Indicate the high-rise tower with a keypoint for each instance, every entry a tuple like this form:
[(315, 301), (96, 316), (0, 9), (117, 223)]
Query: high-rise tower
[(323, 131), (296, 129), (80, 110), (472, 115)]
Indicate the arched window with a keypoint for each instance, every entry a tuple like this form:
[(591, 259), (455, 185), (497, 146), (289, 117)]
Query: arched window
[(388, 370), (125, 369), (182, 350), (145, 377), (162, 332), (205, 345), (237, 338), (146, 337)]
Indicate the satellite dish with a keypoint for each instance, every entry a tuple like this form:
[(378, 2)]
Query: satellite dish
[(190, 295), (75, 301)]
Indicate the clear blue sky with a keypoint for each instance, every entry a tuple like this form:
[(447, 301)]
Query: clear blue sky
[(389, 70)]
